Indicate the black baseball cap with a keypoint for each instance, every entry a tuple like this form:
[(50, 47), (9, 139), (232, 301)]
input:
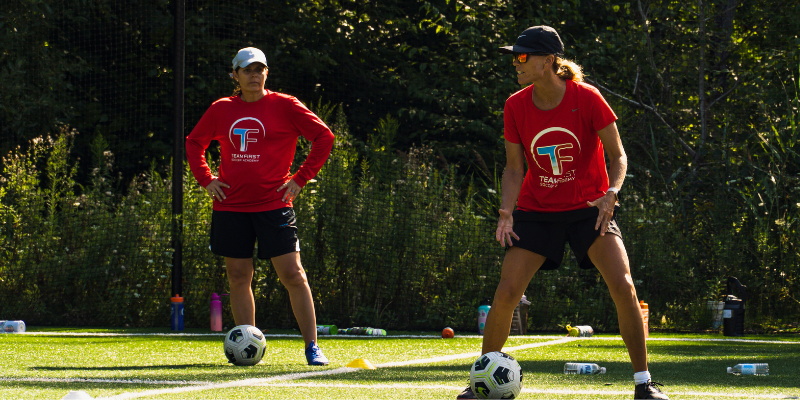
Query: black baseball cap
[(536, 40)]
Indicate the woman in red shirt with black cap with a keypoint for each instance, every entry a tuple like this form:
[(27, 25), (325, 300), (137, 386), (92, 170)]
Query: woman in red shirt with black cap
[(257, 130), (562, 127)]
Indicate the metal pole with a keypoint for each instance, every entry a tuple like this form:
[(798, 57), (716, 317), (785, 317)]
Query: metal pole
[(179, 72)]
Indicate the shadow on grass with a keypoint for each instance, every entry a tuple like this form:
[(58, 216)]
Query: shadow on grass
[(125, 368), (86, 386), (205, 372)]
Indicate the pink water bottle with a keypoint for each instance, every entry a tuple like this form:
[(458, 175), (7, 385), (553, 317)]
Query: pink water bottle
[(216, 313)]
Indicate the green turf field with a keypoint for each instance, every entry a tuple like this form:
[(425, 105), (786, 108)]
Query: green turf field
[(147, 364)]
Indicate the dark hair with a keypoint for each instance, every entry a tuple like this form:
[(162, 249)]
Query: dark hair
[(238, 90), (567, 70)]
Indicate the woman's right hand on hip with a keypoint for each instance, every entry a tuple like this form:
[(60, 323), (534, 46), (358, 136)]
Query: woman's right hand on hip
[(214, 189)]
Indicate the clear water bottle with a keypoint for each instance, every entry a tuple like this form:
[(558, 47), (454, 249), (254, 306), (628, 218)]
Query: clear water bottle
[(13, 326), (749, 369), (583, 369)]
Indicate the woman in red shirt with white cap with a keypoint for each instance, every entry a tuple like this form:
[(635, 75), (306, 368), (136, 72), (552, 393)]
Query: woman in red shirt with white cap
[(258, 130)]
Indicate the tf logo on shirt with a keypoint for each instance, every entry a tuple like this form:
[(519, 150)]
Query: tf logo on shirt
[(245, 131), (553, 148)]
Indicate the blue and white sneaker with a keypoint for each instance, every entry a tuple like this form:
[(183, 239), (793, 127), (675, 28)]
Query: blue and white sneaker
[(314, 355)]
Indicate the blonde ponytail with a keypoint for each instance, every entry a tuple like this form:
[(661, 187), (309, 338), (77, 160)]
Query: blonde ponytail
[(567, 70)]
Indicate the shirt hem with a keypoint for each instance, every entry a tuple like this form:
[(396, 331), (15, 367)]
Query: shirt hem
[(273, 205)]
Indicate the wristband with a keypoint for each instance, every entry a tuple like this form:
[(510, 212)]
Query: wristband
[(615, 191)]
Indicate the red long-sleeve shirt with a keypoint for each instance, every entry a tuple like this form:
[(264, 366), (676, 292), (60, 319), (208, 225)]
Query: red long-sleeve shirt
[(258, 142)]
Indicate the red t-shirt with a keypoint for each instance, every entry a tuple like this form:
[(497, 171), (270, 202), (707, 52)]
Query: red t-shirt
[(566, 164), (257, 142)]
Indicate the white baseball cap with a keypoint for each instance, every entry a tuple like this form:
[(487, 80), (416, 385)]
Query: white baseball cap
[(247, 56)]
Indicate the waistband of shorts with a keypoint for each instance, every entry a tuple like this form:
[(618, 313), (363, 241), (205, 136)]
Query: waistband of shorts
[(562, 216)]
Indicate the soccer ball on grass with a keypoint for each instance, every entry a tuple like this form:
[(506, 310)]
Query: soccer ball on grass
[(495, 375), (244, 345)]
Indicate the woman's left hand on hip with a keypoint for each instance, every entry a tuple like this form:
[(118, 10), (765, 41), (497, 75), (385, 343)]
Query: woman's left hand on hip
[(606, 205), (293, 189)]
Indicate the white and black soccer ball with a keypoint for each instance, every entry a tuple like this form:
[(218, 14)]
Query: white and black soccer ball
[(244, 345), (495, 375)]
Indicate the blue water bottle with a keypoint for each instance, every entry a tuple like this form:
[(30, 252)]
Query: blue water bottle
[(483, 312), (177, 313)]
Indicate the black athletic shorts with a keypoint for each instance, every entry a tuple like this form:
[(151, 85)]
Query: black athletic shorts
[(234, 234), (546, 234)]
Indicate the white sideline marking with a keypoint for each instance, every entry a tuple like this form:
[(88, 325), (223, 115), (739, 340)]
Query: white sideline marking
[(343, 370), (240, 383), (102, 380), (470, 355)]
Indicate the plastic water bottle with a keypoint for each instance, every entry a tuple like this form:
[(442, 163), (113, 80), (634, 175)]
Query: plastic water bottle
[(580, 331), (13, 326), (749, 369), (583, 369), (327, 330), (483, 312), (215, 308), (177, 313), (361, 331)]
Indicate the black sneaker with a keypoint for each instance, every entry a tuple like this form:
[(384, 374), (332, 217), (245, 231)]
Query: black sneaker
[(649, 390), (466, 394)]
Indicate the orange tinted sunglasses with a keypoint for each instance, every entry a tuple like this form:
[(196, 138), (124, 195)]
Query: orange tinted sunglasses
[(521, 58)]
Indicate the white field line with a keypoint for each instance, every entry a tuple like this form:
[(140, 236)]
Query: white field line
[(287, 377), (239, 383), (472, 355), (101, 380)]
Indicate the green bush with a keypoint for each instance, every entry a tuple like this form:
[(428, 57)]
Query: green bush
[(388, 239)]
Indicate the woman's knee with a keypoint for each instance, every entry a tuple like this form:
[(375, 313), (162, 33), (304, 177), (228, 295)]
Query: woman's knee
[(622, 287), (505, 295), (294, 278), (239, 273)]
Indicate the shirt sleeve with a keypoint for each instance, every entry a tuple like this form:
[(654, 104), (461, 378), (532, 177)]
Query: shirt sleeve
[(196, 144), (510, 131), (312, 128), (602, 114)]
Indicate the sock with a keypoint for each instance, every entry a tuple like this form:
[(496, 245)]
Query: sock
[(641, 377)]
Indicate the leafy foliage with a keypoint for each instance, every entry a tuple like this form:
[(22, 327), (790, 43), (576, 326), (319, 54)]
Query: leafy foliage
[(706, 93)]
